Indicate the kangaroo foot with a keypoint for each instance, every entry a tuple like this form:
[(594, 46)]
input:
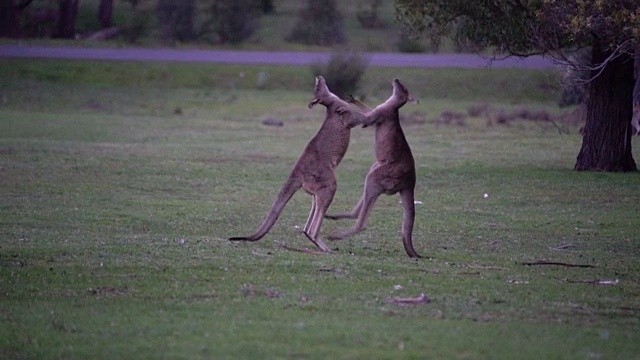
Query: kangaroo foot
[(317, 242)]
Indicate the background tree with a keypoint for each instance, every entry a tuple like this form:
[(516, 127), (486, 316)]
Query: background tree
[(609, 28), (319, 23), (105, 13), (67, 11), (10, 17)]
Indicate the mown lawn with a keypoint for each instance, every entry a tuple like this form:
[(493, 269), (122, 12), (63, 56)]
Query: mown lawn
[(118, 193)]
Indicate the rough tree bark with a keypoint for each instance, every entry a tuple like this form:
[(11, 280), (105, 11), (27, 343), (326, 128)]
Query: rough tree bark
[(67, 10), (606, 141)]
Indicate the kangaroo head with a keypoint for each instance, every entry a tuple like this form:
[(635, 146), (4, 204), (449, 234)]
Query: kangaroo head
[(400, 94), (321, 94)]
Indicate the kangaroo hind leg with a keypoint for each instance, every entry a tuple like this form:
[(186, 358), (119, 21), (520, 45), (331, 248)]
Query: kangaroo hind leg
[(307, 226), (353, 214), (323, 199), (371, 193)]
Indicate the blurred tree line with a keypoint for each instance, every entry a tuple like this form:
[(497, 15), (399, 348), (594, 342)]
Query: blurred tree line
[(214, 21)]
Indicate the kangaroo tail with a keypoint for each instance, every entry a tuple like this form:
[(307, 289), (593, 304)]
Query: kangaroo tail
[(288, 189)]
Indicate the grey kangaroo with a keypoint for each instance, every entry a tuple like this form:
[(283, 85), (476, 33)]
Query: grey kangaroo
[(394, 170), (315, 169)]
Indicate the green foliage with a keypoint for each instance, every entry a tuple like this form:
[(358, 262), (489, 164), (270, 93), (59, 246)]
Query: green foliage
[(502, 24), (233, 21), (343, 71), (527, 27), (319, 23), (610, 23)]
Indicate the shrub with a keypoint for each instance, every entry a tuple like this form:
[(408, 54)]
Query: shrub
[(477, 110), (176, 19), (408, 44), (233, 21), (319, 23), (342, 72), (137, 26)]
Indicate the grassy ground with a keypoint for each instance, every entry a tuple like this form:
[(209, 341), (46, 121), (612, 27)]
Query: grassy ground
[(118, 192)]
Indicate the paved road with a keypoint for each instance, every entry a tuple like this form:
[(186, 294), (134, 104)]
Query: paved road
[(265, 57)]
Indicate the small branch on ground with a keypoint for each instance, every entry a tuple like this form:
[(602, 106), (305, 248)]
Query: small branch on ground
[(562, 247), (479, 267), (557, 263), (594, 282), (422, 299), (260, 254)]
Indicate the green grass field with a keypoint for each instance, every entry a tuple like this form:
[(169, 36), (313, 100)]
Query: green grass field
[(120, 184)]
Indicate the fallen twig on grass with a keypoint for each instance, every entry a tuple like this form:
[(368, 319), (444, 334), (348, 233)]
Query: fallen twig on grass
[(485, 267), (557, 263), (305, 250), (422, 299), (260, 254), (562, 247), (594, 282)]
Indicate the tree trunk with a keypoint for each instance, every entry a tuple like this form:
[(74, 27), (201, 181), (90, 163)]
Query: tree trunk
[(105, 13), (67, 10), (9, 22), (606, 139)]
